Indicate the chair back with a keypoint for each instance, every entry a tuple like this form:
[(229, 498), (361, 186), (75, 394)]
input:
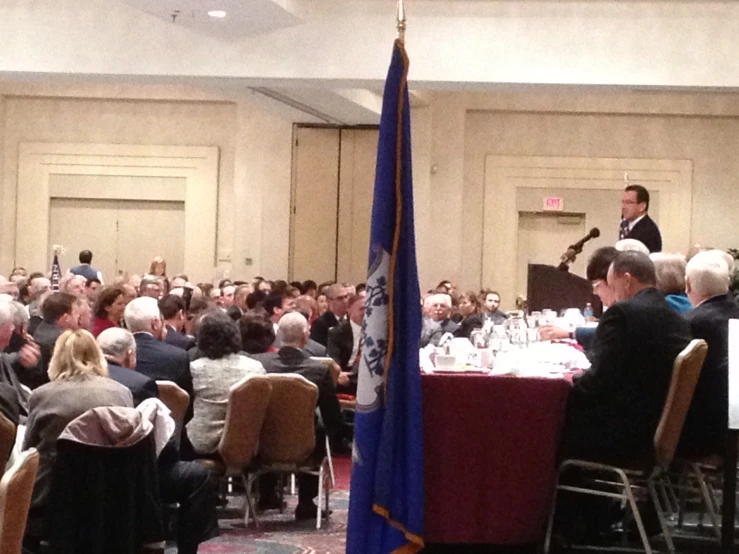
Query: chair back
[(16, 487), (333, 368), (247, 405), (289, 430), (7, 439), (685, 373), (176, 399)]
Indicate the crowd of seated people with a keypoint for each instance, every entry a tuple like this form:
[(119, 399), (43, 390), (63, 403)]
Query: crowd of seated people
[(205, 337)]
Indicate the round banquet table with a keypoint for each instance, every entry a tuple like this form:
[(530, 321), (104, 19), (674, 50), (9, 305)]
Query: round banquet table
[(490, 447)]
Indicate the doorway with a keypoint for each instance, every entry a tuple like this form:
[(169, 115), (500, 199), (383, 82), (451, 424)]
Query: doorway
[(123, 235)]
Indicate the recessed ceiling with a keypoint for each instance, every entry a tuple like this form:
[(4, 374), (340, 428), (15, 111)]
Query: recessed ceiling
[(244, 19)]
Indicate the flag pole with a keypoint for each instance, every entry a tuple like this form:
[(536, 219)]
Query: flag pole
[(400, 21)]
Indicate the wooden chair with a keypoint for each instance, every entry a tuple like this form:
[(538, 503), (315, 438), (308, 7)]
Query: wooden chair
[(16, 487), (333, 367), (247, 404), (288, 437), (685, 373), (177, 400), (7, 439)]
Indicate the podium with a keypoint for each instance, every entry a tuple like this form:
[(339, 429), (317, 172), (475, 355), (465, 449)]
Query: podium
[(549, 287)]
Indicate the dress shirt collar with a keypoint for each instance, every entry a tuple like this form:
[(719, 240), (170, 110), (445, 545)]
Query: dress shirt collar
[(637, 220)]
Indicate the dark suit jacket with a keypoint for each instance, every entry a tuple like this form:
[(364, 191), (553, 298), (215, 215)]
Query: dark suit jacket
[(321, 326), (615, 406), (294, 360), (45, 336), (178, 339), (467, 325), (9, 406), (706, 425), (647, 232), (340, 344), (141, 386), (161, 361), (234, 312)]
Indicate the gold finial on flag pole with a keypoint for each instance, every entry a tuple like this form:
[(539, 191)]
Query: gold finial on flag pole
[(400, 21)]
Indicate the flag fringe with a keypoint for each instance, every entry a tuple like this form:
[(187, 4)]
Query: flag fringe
[(398, 213), (415, 542)]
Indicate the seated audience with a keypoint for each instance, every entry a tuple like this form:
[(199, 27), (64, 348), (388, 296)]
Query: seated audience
[(439, 309), (239, 306), (321, 304), (634, 245), (293, 331), (255, 300), (345, 345), (79, 382), (151, 286), (11, 289), (227, 296), (14, 396), (307, 304), (119, 349), (490, 304), (707, 283), (92, 289), (213, 375), (670, 270), (470, 311), (73, 284), (158, 267), (173, 313), (85, 311), (277, 304), (109, 309), (61, 312), (337, 295), (309, 288)]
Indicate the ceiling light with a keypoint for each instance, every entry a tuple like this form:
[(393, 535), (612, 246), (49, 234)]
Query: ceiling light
[(220, 14)]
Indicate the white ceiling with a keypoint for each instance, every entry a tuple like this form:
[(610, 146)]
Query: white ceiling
[(244, 18)]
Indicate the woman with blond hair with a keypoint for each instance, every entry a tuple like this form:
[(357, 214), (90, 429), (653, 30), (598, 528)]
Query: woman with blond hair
[(158, 267), (79, 382)]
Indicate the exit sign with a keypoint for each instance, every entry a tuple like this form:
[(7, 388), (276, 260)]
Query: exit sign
[(554, 204)]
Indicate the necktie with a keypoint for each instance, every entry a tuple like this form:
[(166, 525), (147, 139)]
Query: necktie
[(623, 230)]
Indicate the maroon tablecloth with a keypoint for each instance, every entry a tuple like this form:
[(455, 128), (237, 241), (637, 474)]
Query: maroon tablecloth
[(490, 456)]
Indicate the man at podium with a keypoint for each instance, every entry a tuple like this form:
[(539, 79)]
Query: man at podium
[(635, 220)]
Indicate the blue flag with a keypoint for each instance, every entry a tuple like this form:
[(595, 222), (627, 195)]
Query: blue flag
[(386, 502)]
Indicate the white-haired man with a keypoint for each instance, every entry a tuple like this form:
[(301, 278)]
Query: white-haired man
[(185, 483), (73, 284), (439, 308), (707, 286), (155, 358), (13, 397), (119, 348), (291, 358)]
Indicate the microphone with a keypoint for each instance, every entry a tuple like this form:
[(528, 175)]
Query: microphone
[(574, 249)]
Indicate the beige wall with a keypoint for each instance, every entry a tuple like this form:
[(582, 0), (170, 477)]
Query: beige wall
[(254, 147)]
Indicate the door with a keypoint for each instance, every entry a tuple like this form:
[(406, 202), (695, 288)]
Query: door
[(123, 235), (542, 239)]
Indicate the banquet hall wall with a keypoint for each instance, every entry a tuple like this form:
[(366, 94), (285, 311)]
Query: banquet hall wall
[(453, 132)]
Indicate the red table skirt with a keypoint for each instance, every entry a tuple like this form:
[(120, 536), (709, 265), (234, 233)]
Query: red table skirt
[(490, 447)]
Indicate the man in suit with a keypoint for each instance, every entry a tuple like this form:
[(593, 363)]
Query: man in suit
[(60, 312), (345, 347), (337, 296), (707, 285), (438, 308), (293, 331), (615, 406), (239, 307), (173, 313), (119, 348), (187, 484), (635, 220), (155, 358), (491, 305)]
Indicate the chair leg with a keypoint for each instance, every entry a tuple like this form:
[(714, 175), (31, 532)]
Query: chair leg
[(661, 515), (707, 501), (320, 497), (292, 484), (550, 524), (635, 512), (330, 463), (249, 504)]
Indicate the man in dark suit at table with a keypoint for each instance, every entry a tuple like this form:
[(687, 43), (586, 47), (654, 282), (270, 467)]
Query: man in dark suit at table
[(707, 285), (119, 348), (635, 222), (291, 358), (173, 313), (60, 312), (615, 406)]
